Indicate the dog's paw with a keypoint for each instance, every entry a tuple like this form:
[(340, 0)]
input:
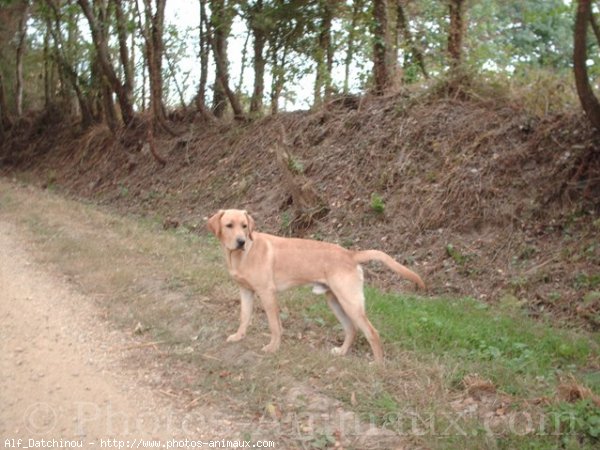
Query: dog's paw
[(235, 337), (270, 348)]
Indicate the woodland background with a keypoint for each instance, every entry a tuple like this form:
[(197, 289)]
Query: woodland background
[(105, 61)]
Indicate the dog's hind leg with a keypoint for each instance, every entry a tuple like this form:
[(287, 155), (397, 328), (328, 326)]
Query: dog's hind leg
[(349, 328), (348, 288), (269, 302)]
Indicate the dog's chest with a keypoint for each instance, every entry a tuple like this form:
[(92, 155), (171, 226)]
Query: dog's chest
[(240, 279)]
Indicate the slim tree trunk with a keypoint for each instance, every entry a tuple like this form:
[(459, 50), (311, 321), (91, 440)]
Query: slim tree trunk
[(259, 37), (66, 69), (204, 54), (21, 44), (126, 61), (595, 27), (356, 7), (47, 74), (456, 33), (220, 26), (381, 69), (409, 41), (153, 31), (324, 54), (5, 119), (100, 41), (106, 95), (238, 89), (218, 43), (588, 100), (173, 72)]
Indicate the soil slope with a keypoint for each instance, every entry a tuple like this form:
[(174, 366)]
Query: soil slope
[(478, 196)]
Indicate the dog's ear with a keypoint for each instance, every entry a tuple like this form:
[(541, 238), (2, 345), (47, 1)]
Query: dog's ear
[(214, 223), (251, 224)]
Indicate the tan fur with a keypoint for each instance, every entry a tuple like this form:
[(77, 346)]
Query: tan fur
[(263, 264)]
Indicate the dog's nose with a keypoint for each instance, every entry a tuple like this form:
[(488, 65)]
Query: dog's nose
[(240, 242)]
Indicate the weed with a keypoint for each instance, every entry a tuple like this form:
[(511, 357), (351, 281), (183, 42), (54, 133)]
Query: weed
[(286, 221), (321, 440), (377, 203), (123, 190), (295, 165), (585, 281), (579, 421), (456, 255), (51, 179)]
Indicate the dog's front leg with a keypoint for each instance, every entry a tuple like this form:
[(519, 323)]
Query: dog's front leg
[(247, 304), (269, 302)]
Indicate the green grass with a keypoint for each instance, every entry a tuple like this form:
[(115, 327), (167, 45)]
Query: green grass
[(502, 345)]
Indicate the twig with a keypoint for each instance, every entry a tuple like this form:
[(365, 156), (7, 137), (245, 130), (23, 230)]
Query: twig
[(204, 355), (168, 394), (142, 345)]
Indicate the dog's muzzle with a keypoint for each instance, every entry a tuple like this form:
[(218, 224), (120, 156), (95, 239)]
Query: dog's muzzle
[(240, 243)]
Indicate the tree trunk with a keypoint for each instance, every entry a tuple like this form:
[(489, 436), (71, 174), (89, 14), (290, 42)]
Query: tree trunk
[(381, 69), (278, 77), (456, 33), (220, 26), (5, 119), (218, 43), (66, 68), (588, 100), (106, 95), (173, 72), (259, 36), (48, 91), (21, 44), (324, 54), (409, 41), (595, 27), (356, 7), (238, 89), (100, 41), (126, 61), (153, 35), (204, 54)]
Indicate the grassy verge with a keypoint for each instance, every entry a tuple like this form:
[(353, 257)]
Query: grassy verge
[(458, 372)]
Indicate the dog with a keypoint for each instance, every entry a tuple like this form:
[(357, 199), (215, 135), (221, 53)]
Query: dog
[(263, 264)]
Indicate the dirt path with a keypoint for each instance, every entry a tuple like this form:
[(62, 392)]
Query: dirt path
[(61, 374)]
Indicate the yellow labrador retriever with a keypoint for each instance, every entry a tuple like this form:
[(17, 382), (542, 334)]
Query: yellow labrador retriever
[(264, 264)]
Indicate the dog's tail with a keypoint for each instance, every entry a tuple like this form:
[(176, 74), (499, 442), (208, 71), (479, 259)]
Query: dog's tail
[(376, 255)]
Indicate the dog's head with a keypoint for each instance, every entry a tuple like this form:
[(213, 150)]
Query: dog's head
[(233, 227)]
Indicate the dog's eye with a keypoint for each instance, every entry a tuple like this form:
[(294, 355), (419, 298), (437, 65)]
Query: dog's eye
[(229, 225), (244, 226)]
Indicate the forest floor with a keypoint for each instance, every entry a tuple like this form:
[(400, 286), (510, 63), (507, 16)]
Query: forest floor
[(497, 209)]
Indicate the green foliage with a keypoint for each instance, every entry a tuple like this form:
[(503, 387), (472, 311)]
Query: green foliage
[(455, 254), (586, 281), (577, 420), (377, 203), (295, 165)]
